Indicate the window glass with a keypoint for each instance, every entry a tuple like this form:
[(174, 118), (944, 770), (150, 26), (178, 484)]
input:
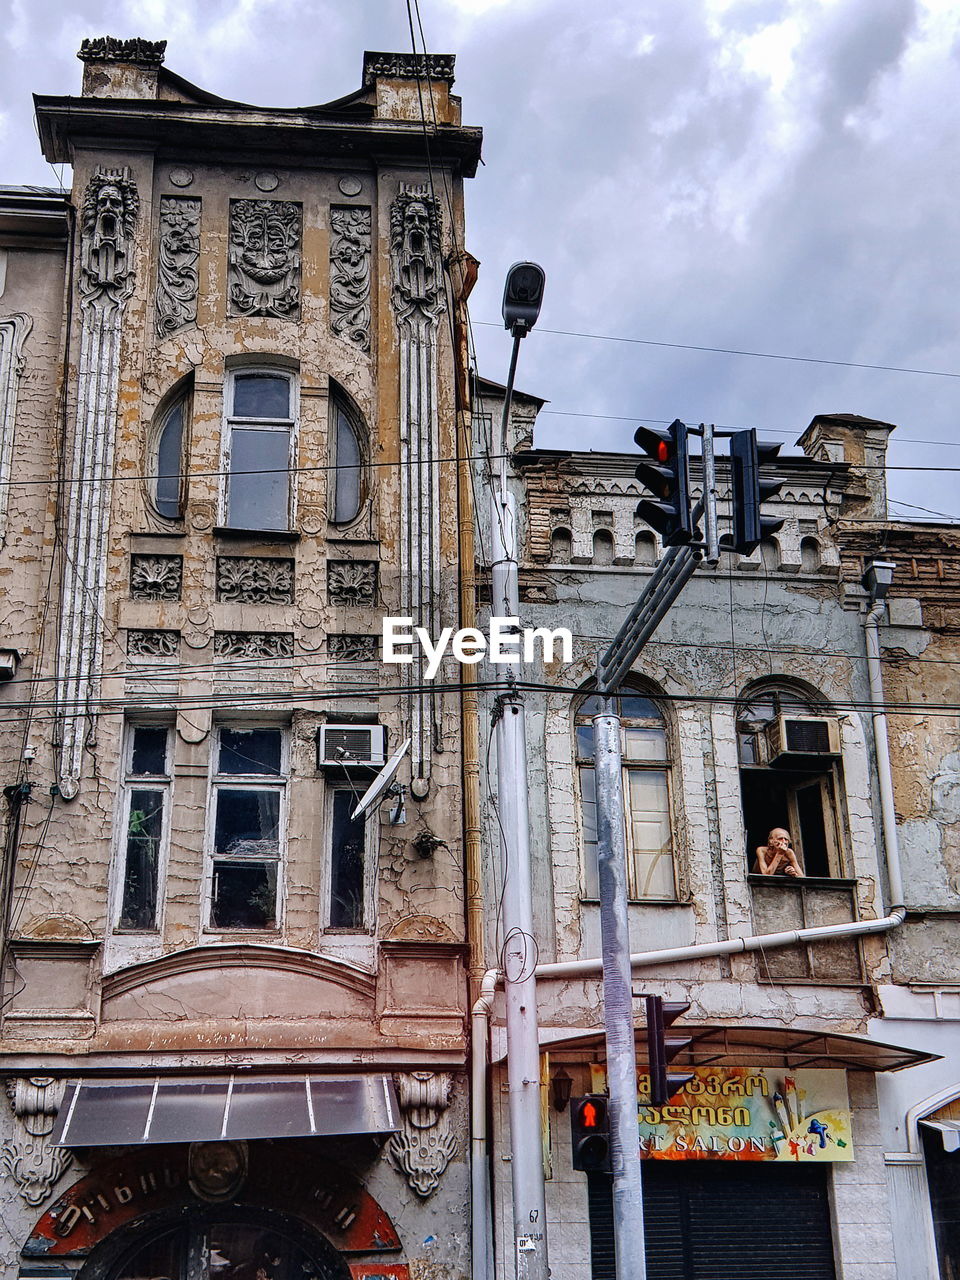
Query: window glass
[(250, 750), (169, 464), (650, 866), (346, 864), (259, 479), (261, 395), (347, 475), (247, 831), (145, 814)]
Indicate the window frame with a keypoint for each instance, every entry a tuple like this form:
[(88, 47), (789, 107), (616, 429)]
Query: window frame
[(341, 406), (131, 783), (220, 782), (333, 789), (663, 765), (232, 422)]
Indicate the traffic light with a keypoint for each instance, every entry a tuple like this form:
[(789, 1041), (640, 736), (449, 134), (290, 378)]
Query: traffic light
[(750, 491), (667, 476), (662, 1049), (590, 1133)]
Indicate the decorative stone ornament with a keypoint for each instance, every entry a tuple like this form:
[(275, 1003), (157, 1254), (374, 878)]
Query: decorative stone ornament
[(425, 1145), (352, 581), (153, 644), (217, 1170), (108, 217), (344, 648), (350, 274), (264, 261), (178, 252), (141, 53), (253, 644), (14, 330), (408, 66), (255, 579), (156, 577), (28, 1158), (418, 300)]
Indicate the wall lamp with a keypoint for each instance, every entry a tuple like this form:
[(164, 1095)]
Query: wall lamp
[(561, 1086), (877, 578)]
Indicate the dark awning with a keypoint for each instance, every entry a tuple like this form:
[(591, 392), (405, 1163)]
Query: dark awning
[(126, 1111)]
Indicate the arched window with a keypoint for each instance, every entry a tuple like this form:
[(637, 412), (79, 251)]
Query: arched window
[(261, 415), (166, 465), (646, 791), (789, 748), (346, 457)]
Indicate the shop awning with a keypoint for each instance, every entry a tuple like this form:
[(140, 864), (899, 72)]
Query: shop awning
[(743, 1045), (127, 1111)]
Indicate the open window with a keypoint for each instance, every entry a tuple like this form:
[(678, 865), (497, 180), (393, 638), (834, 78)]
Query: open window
[(346, 459), (646, 791), (247, 827), (790, 767), (261, 416), (145, 816)]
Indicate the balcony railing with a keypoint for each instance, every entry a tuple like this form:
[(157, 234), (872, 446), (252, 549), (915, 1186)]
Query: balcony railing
[(781, 903)]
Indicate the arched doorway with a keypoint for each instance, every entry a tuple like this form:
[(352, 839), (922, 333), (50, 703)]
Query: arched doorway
[(215, 1243)]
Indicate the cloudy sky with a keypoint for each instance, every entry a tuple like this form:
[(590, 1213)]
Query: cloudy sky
[(769, 176)]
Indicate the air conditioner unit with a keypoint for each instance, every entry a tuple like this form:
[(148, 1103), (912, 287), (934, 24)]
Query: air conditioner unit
[(799, 737), (351, 744)]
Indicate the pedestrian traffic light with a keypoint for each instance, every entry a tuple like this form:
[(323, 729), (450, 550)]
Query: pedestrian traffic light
[(662, 1049), (750, 491), (590, 1133), (667, 476)]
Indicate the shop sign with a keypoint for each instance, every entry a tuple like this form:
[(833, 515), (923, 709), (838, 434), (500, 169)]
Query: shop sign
[(751, 1113)]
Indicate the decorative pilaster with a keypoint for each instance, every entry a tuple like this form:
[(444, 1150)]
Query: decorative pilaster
[(418, 300), (425, 1145), (13, 334), (107, 220), (28, 1158)]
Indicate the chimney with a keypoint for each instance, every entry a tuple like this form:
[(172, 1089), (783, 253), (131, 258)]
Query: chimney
[(115, 68), (861, 442)]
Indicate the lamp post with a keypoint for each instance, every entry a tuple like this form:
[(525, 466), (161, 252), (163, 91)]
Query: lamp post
[(522, 296)]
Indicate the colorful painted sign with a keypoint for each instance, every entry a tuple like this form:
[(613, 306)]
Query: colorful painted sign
[(747, 1113)]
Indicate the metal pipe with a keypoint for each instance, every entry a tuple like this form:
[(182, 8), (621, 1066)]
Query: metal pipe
[(481, 1219), (618, 998), (881, 746), (610, 677), (711, 537)]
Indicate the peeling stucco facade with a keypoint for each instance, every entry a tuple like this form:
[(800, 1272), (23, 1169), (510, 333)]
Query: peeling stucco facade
[(205, 241)]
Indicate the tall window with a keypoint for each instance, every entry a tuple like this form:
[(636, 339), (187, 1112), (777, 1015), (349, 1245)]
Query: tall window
[(347, 862), (248, 798), (789, 777), (346, 490), (260, 424), (167, 469), (650, 870), (146, 803)]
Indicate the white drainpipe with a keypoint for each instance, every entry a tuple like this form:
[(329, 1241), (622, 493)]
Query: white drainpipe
[(480, 1015)]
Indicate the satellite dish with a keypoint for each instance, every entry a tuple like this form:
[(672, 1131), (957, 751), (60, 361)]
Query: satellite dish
[(380, 783)]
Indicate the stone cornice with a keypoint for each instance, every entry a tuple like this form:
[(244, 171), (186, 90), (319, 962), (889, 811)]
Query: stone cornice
[(182, 129), (408, 66), (139, 53)]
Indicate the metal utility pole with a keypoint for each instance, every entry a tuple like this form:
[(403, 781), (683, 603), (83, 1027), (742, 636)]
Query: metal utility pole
[(521, 306)]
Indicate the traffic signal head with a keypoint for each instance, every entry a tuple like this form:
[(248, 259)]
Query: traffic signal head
[(661, 1048), (590, 1133), (750, 491), (666, 474)]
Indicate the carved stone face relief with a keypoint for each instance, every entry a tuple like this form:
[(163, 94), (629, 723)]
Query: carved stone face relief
[(264, 266), (415, 248), (108, 218)]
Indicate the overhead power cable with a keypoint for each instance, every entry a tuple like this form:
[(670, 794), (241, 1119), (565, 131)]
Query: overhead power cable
[(737, 351)]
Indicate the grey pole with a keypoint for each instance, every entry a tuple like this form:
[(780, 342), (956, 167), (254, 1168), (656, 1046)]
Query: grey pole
[(628, 1231), (519, 957)]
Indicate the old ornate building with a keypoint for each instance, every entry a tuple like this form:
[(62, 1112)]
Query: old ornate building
[(822, 1004), (233, 1015)]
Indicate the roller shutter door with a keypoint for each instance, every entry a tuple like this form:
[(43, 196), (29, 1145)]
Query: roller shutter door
[(723, 1221)]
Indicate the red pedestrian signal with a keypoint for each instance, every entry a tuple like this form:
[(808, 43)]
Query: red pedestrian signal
[(590, 1133)]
